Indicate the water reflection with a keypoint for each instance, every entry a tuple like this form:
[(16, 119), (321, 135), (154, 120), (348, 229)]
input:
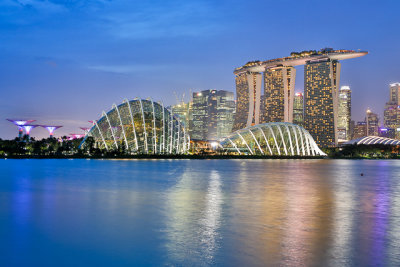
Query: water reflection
[(194, 212), (185, 213)]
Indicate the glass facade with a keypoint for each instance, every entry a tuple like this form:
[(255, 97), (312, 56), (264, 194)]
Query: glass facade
[(274, 139), (372, 123), (320, 96), (360, 130), (298, 109), (213, 114), (391, 114), (248, 104), (140, 127), (278, 94), (344, 114), (182, 111)]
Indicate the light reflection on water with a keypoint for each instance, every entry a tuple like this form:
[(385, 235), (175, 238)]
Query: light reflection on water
[(199, 212)]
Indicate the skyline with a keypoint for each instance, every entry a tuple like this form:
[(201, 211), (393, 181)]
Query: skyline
[(69, 62)]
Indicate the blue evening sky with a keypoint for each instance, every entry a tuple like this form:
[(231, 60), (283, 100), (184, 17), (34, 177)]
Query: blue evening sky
[(63, 62)]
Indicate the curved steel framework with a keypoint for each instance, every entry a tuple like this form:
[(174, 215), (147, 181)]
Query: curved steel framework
[(373, 140), (274, 138), (140, 127)]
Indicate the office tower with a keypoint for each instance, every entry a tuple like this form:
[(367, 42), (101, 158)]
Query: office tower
[(213, 114), (298, 109), (372, 123), (344, 114), (360, 130), (387, 132), (321, 80), (352, 125), (248, 93), (278, 94), (395, 93), (182, 111), (391, 114)]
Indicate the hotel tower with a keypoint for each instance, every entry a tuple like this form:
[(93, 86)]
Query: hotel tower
[(321, 95)]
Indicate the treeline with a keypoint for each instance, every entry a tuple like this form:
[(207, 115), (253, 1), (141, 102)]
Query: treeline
[(378, 151), (45, 147)]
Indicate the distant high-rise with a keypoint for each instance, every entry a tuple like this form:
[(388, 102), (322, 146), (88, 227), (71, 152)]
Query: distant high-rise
[(391, 114), (360, 130), (321, 80), (298, 109), (213, 114), (182, 111), (279, 94), (372, 121), (395, 93), (344, 114)]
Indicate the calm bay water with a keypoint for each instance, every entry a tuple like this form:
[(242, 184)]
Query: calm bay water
[(199, 212)]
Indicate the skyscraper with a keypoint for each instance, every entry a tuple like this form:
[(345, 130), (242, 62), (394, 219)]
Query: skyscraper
[(182, 111), (248, 92), (298, 109), (395, 93), (279, 94), (213, 113), (372, 123), (360, 130), (391, 114), (321, 80), (344, 114), (322, 76)]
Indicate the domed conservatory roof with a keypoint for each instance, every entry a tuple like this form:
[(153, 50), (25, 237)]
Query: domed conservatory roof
[(140, 127), (373, 140), (274, 138)]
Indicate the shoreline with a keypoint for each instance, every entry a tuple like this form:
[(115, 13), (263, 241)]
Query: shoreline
[(198, 157)]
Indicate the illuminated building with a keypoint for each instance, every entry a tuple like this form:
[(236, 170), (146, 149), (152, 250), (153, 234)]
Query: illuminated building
[(395, 93), (273, 139), (298, 109), (387, 132), (344, 114), (213, 114), (373, 140), (139, 127), (391, 114), (279, 93), (182, 111), (372, 123), (322, 77), (248, 93), (321, 80), (360, 130), (51, 129), (20, 124)]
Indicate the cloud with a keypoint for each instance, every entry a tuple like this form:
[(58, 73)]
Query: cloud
[(41, 5), (160, 20), (126, 69)]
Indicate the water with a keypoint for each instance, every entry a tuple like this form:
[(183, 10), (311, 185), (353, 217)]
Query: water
[(199, 212)]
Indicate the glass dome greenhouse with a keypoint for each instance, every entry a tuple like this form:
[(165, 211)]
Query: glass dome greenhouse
[(139, 127)]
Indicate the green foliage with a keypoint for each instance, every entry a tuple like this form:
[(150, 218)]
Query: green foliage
[(363, 151)]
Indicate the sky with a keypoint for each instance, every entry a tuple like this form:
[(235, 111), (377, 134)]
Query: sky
[(62, 62)]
